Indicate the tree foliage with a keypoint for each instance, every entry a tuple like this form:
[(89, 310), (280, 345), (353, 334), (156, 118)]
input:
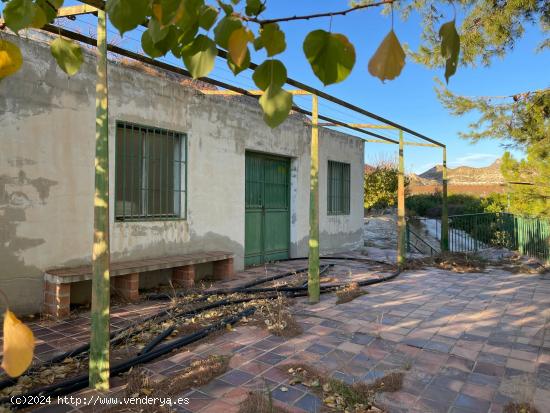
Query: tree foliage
[(530, 182), (521, 121), (380, 185), (489, 28), (192, 30)]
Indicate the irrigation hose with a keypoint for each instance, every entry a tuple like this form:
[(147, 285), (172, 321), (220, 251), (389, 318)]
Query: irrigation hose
[(253, 283), (82, 381), (152, 350)]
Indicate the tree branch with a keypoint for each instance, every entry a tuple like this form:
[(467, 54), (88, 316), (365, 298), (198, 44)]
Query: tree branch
[(262, 22)]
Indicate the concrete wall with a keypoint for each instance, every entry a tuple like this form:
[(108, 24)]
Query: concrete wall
[(47, 158)]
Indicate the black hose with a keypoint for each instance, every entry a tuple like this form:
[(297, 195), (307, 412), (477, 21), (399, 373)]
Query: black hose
[(360, 259), (296, 291), (246, 288), (326, 288), (80, 350), (156, 341), (163, 296), (80, 382), (117, 338)]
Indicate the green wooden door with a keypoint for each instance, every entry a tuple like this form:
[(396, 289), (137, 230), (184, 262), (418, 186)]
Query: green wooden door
[(267, 216)]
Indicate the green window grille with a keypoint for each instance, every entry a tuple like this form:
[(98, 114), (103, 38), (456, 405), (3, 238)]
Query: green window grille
[(151, 173), (338, 188)]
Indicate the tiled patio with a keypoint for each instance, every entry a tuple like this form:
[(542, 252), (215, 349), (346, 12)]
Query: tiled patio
[(466, 342)]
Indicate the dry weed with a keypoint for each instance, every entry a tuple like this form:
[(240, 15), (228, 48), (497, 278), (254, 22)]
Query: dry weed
[(450, 261), (349, 293), (198, 373), (512, 407), (278, 319), (259, 402), (339, 395)]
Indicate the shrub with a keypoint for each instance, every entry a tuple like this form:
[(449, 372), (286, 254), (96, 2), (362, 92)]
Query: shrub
[(430, 205), (380, 185)]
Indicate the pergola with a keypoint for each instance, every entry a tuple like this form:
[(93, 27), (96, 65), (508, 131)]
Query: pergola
[(99, 350)]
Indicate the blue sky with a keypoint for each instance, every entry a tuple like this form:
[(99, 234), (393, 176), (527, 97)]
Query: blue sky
[(409, 100)]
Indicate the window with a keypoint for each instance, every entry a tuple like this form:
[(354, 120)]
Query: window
[(150, 173), (338, 188)]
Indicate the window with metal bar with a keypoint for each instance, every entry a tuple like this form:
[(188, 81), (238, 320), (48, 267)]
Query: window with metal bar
[(150, 173), (338, 188)]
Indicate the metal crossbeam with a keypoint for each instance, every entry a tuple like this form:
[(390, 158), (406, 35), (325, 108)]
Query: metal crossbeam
[(252, 92), (362, 125), (71, 11), (223, 54)]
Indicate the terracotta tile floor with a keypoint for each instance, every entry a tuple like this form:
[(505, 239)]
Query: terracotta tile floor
[(467, 343)]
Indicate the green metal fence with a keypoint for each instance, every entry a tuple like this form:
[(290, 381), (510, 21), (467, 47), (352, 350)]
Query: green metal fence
[(473, 232), (416, 243)]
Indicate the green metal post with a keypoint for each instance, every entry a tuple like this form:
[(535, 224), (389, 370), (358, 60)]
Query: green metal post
[(444, 207), (313, 273), (401, 224), (99, 341)]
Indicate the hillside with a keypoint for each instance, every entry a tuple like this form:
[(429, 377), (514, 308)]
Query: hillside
[(462, 175), (462, 180)]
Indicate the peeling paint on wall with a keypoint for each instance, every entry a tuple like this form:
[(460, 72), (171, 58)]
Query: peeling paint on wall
[(47, 170)]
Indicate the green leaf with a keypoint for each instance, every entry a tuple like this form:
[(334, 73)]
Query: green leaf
[(167, 11), (237, 45), (254, 7), (389, 59), (276, 104), (270, 73), (160, 48), (272, 39), (330, 55), (187, 35), (39, 19), (191, 13), (19, 14), (208, 17), (236, 69), (450, 47), (68, 55), (157, 32), (199, 56), (49, 7), (126, 15), (225, 28), (227, 8), (149, 47)]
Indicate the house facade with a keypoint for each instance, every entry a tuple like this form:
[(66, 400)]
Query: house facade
[(188, 172)]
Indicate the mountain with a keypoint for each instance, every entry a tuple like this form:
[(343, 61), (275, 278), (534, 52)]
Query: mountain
[(462, 175)]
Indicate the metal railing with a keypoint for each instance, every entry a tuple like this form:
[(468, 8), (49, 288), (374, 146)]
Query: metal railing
[(417, 243), (473, 232)]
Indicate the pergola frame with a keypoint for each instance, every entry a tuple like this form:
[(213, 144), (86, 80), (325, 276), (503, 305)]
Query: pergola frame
[(99, 349)]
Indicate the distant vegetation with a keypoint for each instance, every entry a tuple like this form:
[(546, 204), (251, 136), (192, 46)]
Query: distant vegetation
[(475, 190), (429, 205), (380, 185)]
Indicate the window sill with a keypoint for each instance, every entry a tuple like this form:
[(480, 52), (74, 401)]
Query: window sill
[(149, 219)]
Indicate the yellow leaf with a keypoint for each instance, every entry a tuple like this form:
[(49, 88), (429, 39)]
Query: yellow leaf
[(389, 59), (238, 45), (10, 58), (18, 345)]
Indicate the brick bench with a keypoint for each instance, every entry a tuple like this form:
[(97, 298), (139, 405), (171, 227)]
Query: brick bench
[(125, 276)]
